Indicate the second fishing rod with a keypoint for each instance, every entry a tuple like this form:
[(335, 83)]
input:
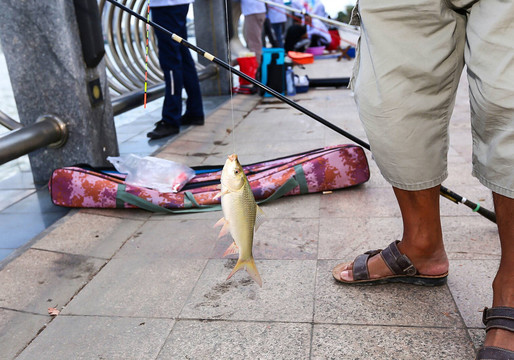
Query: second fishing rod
[(444, 191)]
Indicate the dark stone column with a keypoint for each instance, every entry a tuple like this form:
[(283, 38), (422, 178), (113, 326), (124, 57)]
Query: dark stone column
[(211, 36), (43, 50)]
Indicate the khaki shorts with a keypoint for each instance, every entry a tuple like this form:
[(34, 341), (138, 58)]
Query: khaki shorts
[(410, 58)]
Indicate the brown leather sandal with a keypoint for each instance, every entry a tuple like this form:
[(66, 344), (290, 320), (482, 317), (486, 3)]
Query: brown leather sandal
[(498, 317), (402, 268)]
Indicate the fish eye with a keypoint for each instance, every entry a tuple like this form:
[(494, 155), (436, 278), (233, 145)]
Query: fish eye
[(236, 172)]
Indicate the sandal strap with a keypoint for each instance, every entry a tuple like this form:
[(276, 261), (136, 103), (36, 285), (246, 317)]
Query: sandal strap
[(498, 317), (493, 352), (360, 265), (397, 262)]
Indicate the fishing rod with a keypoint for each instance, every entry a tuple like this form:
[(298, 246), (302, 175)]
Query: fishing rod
[(444, 191)]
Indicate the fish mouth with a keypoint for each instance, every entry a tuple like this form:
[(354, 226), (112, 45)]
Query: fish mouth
[(232, 157)]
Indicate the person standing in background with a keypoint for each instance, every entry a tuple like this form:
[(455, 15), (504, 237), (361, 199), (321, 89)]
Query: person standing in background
[(255, 13), (277, 18), (179, 70)]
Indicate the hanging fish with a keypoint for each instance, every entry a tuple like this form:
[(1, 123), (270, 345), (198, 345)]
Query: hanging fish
[(242, 216)]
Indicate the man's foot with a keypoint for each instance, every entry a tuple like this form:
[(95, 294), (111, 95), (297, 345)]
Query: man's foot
[(432, 267), (192, 120), (499, 343), (163, 129)]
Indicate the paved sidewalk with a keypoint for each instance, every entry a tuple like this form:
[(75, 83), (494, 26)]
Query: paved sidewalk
[(135, 285)]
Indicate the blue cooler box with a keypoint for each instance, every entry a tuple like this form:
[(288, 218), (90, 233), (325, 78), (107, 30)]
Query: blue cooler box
[(273, 72)]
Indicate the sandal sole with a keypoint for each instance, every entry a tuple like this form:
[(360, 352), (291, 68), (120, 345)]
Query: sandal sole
[(413, 280)]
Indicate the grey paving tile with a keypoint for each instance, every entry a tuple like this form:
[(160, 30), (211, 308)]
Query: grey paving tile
[(129, 214), (286, 294), (280, 239), (472, 237), (190, 161), (17, 329), (391, 304), (18, 229), (10, 197), (39, 279), (284, 124), (360, 201), (346, 238), (90, 337), (464, 237), (174, 238), (293, 207), (250, 151), (460, 174), (237, 340), (90, 235), (470, 286), (38, 202), (144, 286), (207, 134), (16, 179), (143, 147), (212, 216), (190, 148), (460, 140), (391, 342), (478, 337), (333, 137), (241, 102)]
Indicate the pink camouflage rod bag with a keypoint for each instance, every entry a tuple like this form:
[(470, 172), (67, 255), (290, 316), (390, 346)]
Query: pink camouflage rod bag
[(329, 168)]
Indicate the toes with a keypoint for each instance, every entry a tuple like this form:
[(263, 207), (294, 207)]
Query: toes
[(347, 275), (348, 266)]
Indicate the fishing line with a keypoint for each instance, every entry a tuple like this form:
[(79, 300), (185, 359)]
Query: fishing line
[(229, 58), (444, 191)]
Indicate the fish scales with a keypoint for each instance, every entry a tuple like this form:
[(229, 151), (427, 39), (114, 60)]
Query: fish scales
[(240, 213)]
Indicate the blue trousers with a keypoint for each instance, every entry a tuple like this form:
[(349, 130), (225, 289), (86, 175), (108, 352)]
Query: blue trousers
[(177, 64)]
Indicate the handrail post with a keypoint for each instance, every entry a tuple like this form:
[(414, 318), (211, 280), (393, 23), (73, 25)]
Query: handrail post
[(211, 35), (50, 74)]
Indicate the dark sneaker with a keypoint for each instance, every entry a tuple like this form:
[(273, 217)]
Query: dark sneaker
[(162, 129), (192, 120)]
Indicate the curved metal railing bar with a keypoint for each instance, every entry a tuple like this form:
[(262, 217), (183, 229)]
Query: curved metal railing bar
[(8, 122), (125, 57)]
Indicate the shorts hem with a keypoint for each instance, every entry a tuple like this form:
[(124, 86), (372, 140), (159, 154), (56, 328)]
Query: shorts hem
[(419, 186), (494, 187)]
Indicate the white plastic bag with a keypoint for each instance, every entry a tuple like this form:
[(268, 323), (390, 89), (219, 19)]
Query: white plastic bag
[(160, 174)]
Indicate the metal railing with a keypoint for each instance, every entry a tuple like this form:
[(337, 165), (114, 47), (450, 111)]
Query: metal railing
[(126, 64), (8, 122), (48, 130)]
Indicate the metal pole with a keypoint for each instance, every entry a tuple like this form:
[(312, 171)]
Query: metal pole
[(8, 122), (46, 131)]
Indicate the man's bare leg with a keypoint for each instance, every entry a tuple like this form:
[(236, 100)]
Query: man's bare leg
[(422, 239)]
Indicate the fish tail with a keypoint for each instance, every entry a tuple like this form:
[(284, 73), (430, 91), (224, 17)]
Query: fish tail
[(251, 269)]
